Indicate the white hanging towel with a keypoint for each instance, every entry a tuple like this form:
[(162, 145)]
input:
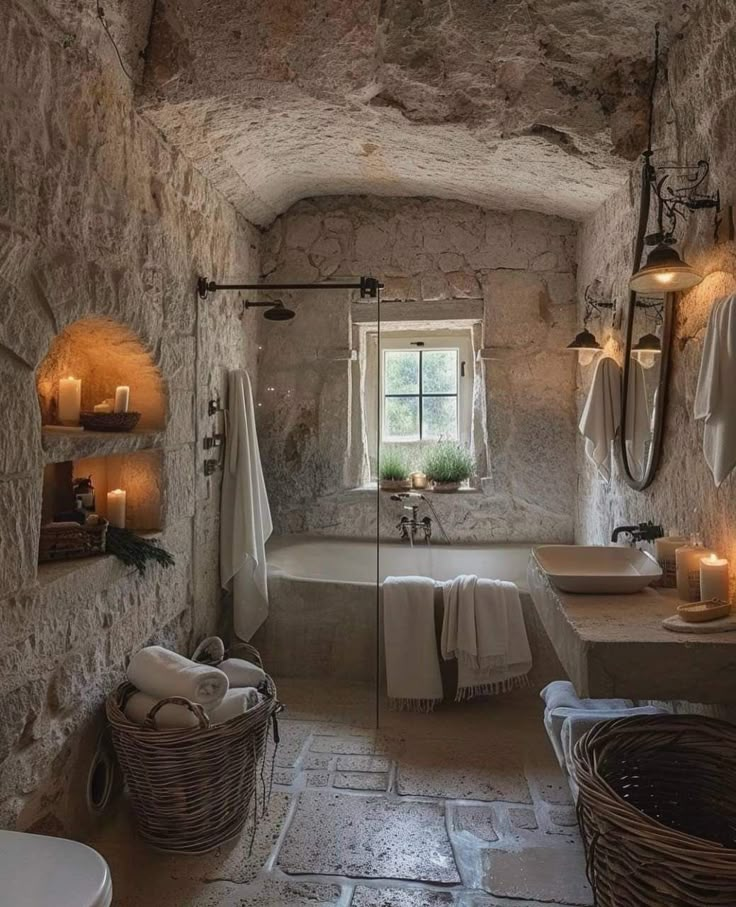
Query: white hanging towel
[(714, 398), (245, 517), (638, 419), (601, 417), (483, 627), (413, 677)]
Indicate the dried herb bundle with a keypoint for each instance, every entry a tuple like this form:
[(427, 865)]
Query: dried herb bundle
[(135, 551)]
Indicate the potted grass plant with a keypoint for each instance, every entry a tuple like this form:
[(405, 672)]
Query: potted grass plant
[(447, 465), (393, 470)]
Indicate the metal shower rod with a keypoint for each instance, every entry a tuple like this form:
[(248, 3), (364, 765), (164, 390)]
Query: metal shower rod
[(368, 286)]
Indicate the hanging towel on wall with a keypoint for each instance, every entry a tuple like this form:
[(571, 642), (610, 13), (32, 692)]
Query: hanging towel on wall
[(483, 627), (245, 517), (601, 417), (714, 398), (412, 666)]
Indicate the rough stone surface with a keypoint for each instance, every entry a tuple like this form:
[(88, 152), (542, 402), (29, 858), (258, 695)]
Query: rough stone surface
[(368, 837), (538, 873), (313, 421), (514, 106), (698, 123), (101, 226)]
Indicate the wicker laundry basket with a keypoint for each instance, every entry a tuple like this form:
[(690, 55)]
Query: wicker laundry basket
[(657, 809), (191, 789)]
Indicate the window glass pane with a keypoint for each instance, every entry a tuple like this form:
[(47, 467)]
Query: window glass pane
[(439, 372), (440, 418), (401, 372), (401, 419)]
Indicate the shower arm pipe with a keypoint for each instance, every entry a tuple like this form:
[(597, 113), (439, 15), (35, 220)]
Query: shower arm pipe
[(368, 286)]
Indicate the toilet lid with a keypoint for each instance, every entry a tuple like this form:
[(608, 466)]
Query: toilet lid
[(38, 871)]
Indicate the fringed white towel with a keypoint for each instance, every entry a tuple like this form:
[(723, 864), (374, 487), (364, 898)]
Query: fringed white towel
[(412, 665), (483, 627), (601, 417), (714, 398), (638, 419), (560, 694), (245, 517), (163, 673)]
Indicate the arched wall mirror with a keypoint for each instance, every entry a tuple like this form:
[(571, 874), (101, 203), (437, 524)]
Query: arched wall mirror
[(646, 370)]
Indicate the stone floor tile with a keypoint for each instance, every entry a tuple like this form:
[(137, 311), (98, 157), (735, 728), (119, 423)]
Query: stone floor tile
[(283, 775), (553, 790), (361, 780), (565, 816), (538, 874), (363, 764), (477, 821), (368, 837), (317, 778), (275, 893), (294, 735), (451, 771), (523, 818), (400, 897), (345, 746), (317, 760)]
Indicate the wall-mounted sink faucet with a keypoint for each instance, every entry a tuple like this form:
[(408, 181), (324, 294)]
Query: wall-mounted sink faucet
[(642, 532), (410, 527)]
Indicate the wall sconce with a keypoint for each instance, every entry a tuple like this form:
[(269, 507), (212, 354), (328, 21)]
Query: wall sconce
[(677, 190), (646, 350), (586, 344)]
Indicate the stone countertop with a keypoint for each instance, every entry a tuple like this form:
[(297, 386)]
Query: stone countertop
[(616, 646)]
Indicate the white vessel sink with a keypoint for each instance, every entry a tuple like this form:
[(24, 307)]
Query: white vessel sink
[(602, 569)]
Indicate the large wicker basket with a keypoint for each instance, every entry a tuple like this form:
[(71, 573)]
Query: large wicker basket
[(657, 809), (192, 789)]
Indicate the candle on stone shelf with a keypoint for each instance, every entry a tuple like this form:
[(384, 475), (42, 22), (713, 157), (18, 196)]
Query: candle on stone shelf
[(116, 508), (714, 578), (103, 408), (70, 399), (418, 480), (122, 398), (688, 560)]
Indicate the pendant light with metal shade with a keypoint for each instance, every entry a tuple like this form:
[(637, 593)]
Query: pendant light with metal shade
[(586, 345), (664, 272), (646, 350)]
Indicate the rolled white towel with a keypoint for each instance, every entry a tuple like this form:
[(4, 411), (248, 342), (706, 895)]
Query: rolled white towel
[(168, 716), (560, 694), (236, 702), (242, 673), (162, 673)]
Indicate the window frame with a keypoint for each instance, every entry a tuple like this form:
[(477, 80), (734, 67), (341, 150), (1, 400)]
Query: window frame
[(426, 341)]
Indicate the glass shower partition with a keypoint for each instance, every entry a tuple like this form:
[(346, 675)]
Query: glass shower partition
[(317, 407)]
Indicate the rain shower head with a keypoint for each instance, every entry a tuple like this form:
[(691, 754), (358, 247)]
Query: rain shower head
[(275, 311)]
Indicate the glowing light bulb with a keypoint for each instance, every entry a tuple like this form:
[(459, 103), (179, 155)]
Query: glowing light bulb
[(664, 277)]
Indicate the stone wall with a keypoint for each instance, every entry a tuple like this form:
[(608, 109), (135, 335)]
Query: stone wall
[(696, 110), (98, 218), (513, 274)]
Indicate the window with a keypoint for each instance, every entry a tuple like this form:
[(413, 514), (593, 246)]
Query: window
[(425, 395)]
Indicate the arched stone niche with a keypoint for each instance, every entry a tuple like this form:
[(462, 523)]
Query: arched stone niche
[(104, 354)]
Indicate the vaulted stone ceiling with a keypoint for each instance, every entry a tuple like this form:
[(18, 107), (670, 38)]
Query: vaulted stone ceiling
[(536, 104)]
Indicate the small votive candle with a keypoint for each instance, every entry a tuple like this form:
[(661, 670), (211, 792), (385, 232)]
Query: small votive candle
[(418, 480), (70, 400), (116, 508), (103, 408), (714, 578), (122, 398)]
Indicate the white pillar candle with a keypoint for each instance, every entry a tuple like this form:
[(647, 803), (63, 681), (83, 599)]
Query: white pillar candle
[(714, 578), (122, 398), (688, 571), (70, 400), (116, 508)]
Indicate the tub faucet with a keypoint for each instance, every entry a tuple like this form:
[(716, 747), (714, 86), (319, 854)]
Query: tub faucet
[(409, 526), (642, 532)]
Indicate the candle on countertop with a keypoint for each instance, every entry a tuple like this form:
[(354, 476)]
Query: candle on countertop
[(688, 571), (418, 480), (664, 551), (70, 400), (122, 398), (714, 578), (103, 408), (116, 508)]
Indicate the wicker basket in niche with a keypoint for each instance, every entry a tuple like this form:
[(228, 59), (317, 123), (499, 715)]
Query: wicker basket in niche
[(67, 541), (657, 809), (191, 789), (109, 421)]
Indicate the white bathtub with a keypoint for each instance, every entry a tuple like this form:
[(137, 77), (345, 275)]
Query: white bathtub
[(324, 613), (355, 562)]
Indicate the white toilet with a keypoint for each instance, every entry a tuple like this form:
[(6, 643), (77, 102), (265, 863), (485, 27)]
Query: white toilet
[(38, 871)]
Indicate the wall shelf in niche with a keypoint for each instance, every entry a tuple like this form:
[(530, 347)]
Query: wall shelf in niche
[(59, 446)]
